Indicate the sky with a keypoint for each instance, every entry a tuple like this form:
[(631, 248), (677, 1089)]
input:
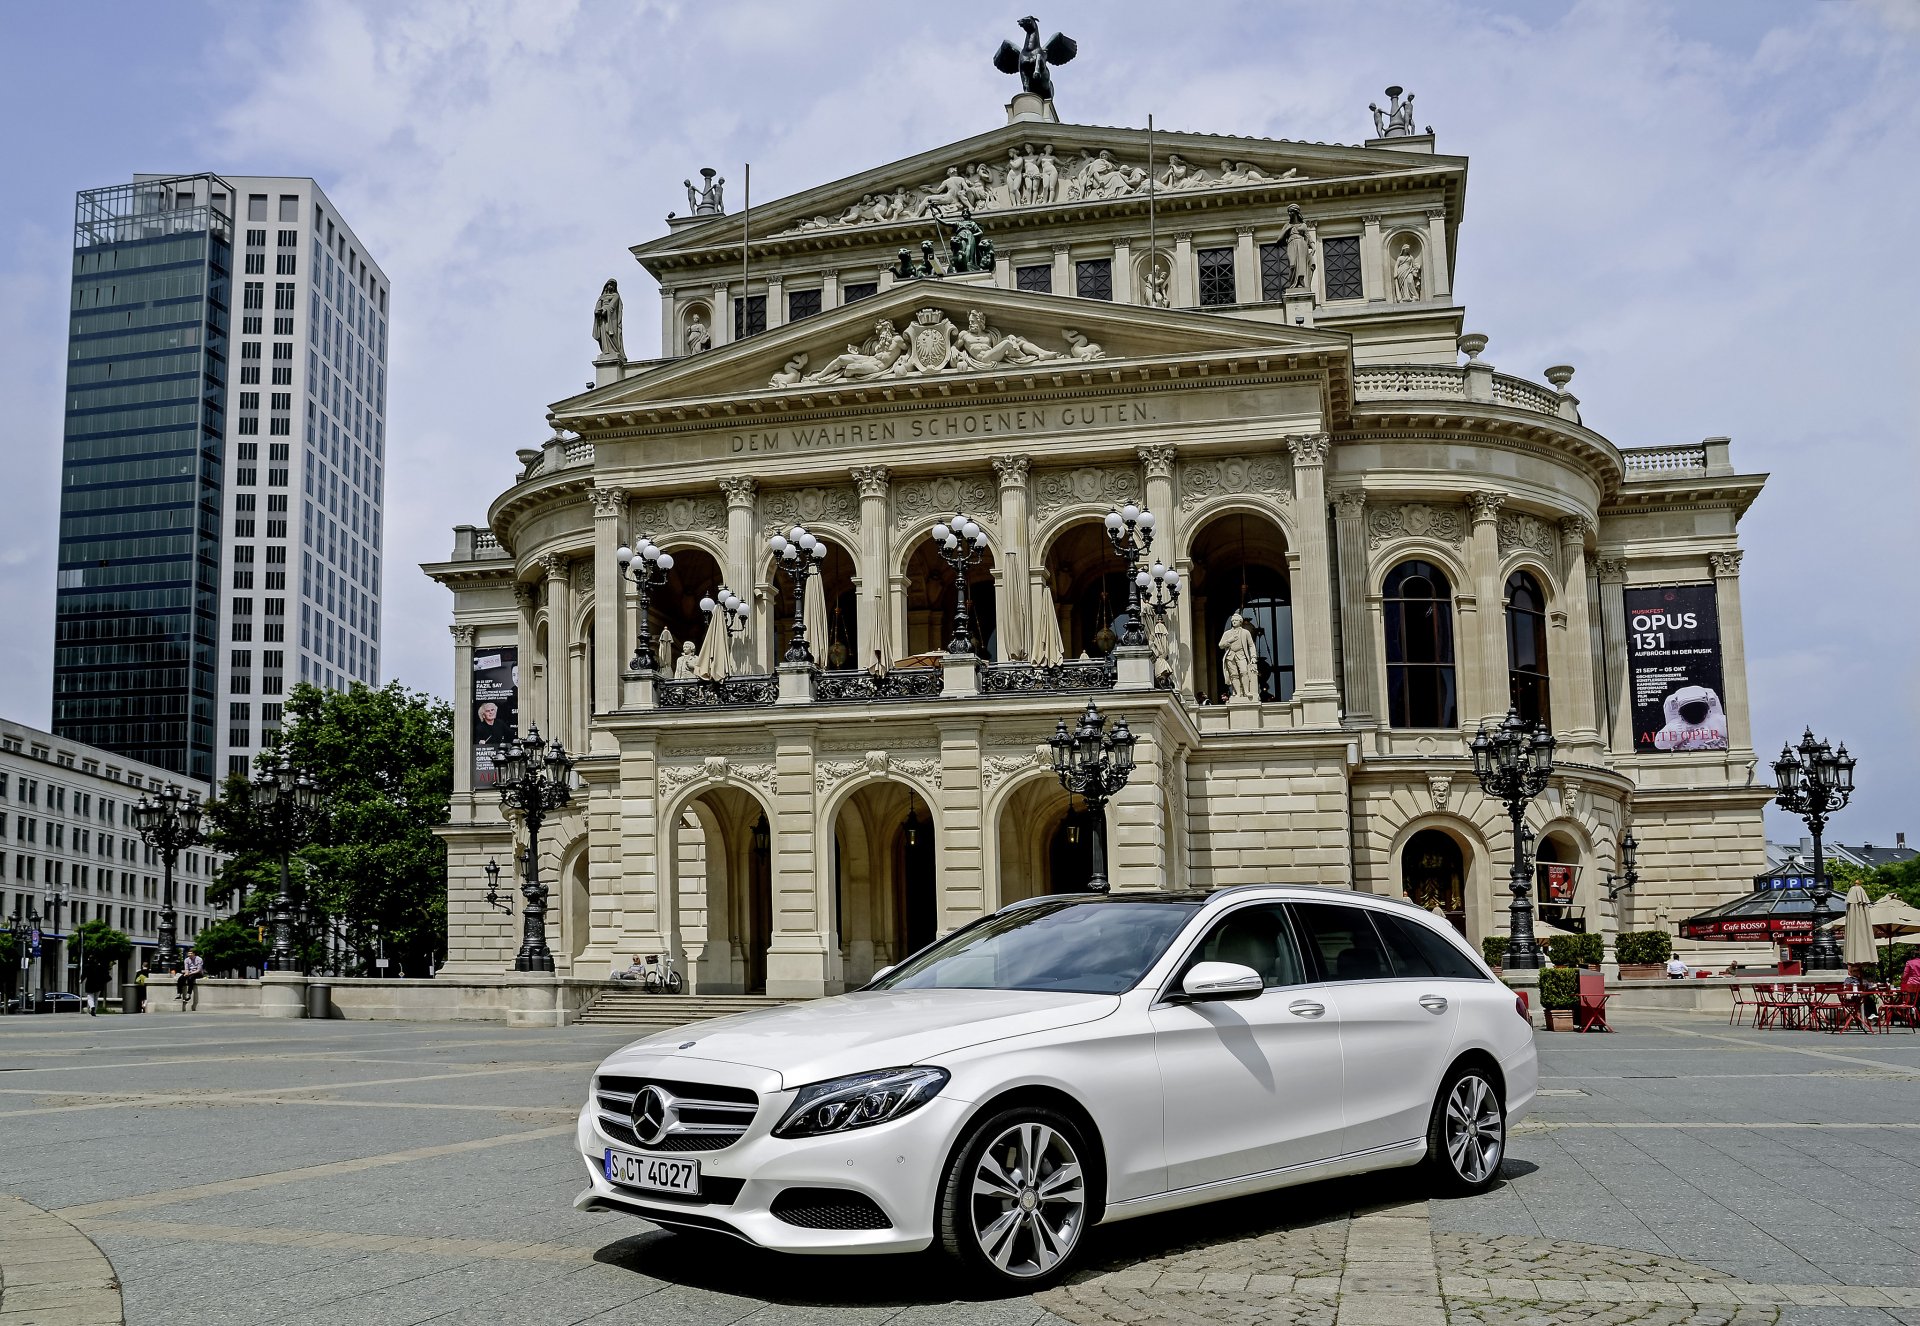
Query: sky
[(1702, 206)]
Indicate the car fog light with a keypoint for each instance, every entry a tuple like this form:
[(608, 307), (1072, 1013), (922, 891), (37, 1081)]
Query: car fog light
[(859, 1101)]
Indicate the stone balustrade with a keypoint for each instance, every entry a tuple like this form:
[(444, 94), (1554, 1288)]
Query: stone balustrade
[(1665, 462)]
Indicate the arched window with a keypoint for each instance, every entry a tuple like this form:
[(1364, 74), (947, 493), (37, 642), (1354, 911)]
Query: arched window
[(1419, 628), (1527, 648)]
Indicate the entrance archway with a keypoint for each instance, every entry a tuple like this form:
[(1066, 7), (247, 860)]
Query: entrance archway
[(1089, 586), (721, 853), (1043, 840), (885, 878), (836, 641), (1433, 872), (931, 603), (676, 607), (1556, 874), (1240, 565)]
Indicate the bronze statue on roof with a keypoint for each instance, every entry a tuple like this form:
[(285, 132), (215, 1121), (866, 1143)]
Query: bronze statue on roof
[(1033, 61)]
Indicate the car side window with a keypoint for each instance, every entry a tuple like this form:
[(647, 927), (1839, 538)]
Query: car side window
[(1418, 951), (1343, 940), (1259, 937)]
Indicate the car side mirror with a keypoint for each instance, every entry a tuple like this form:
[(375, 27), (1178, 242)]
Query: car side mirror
[(880, 974), (1209, 981)]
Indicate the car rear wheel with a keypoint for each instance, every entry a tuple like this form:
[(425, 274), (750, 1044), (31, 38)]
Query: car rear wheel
[(1467, 1138), (1015, 1203)]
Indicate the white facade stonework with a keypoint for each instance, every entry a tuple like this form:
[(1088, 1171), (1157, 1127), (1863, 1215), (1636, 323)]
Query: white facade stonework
[(1297, 443)]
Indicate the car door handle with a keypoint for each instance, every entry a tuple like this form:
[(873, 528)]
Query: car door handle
[(1433, 1004), (1306, 1008)]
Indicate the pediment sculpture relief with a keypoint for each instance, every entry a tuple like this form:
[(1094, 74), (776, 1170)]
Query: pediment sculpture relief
[(933, 343)]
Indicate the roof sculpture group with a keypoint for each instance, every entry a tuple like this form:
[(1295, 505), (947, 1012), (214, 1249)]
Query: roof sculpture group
[(1032, 60)]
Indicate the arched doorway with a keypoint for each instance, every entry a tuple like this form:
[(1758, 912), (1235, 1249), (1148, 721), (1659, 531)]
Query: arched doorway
[(1433, 872), (1556, 874), (885, 878), (931, 603), (1240, 565), (675, 608), (1088, 582), (1043, 840), (579, 915), (721, 851), (836, 641)]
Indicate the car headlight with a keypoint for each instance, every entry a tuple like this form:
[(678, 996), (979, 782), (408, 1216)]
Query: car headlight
[(859, 1101)]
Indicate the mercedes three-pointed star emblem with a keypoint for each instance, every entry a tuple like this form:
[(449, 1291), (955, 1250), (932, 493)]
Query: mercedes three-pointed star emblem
[(654, 1114)]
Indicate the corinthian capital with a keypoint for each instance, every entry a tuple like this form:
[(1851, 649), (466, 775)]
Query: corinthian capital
[(1611, 570), (1158, 459), (1310, 448), (872, 480), (462, 635), (1486, 505), (609, 501), (1012, 470), (526, 594), (739, 491), (1574, 529), (1351, 502), (555, 565), (1725, 564)]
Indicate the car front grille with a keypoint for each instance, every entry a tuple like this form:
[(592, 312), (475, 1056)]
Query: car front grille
[(705, 1117)]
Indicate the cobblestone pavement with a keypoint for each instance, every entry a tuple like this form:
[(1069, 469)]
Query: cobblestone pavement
[(1679, 1173)]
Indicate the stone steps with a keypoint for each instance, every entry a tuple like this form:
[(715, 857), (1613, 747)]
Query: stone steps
[(629, 1007)]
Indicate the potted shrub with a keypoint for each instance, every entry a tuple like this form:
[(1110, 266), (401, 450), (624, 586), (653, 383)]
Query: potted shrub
[(1575, 950), (1643, 954), (1592, 950), (1559, 990), (1494, 949)]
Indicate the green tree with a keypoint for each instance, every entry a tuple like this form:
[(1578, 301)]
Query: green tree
[(228, 946), (383, 760), (102, 950)]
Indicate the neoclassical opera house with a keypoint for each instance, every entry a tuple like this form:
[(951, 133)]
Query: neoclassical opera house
[(1258, 341)]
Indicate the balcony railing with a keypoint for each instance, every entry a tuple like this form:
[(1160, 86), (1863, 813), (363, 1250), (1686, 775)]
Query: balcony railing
[(859, 687), (1665, 462), (1079, 674), (744, 691)]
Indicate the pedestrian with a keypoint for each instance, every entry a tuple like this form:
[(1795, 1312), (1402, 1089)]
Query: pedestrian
[(1676, 969), (140, 990), (189, 983), (93, 1004), (1910, 974)]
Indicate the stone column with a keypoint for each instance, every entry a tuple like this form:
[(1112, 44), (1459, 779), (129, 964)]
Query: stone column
[(1487, 695), (1137, 848), (1373, 277), (1016, 557), (962, 829), (722, 313), (874, 574), (1436, 254), (1733, 648), (1613, 630), (829, 297), (800, 960), (1577, 718), (669, 345), (1319, 266), (1122, 272), (1063, 270), (776, 302), (1246, 268), (609, 624), (462, 710), (739, 568), (1184, 284), (1361, 701), (1312, 590), (559, 646), (577, 715), (526, 601)]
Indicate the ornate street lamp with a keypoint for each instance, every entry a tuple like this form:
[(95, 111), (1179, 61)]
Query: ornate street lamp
[(1814, 782), (735, 610), (1513, 766), (533, 781), (1130, 531), (287, 804), (170, 823), (962, 544), (1159, 588), (1093, 763), (799, 554), (648, 567), (1628, 876), (492, 871)]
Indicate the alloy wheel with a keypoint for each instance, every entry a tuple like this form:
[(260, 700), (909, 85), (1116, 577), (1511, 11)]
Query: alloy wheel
[(1474, 1134), (1029, 1200)]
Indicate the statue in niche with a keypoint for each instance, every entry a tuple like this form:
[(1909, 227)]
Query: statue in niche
[(663, 650), (1408, 275), (606, 323), (790, 373), (687, 665), (698, 336), (969, 249), (880, 353), (1239, 660), (1156, 283), (1033, 60), (1396, 121), (1299, 249), (703, 199)]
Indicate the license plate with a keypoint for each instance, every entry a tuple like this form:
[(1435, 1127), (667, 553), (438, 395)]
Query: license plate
[(654, 1172)]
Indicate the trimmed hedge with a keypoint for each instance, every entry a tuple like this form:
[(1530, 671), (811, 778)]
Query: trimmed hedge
[(1638, 946), (1576, 950), (1559, 987), (1494, 949)]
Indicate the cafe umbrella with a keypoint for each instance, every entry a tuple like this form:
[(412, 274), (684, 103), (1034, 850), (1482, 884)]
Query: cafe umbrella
[(1859, 941)]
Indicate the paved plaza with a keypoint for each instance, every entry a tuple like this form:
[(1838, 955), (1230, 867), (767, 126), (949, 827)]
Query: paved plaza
[(374, 1174)]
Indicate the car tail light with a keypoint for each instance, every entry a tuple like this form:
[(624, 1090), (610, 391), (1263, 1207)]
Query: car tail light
[(1520, 1007)]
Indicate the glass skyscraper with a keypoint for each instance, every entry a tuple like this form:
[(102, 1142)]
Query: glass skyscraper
[(222, 500)]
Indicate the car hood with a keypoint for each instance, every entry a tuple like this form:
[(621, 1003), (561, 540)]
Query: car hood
[(869, 1029)]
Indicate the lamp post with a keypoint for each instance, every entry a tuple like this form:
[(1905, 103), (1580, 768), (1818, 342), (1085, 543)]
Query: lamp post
[(1814, 782), (287, 803), (492, 872), (799, 554), (25, 928), (1093, 763), (648, 566), (962, 544), (1130, 531), (1513, 766), (1628, 875), (56, 904), (533, 781), (170, 823)]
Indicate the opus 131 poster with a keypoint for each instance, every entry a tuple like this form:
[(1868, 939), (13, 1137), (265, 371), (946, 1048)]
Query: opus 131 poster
[(1673, 668), (496, 709)]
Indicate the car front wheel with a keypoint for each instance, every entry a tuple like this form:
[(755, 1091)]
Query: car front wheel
[(1467, 1137), (1014, 1205)]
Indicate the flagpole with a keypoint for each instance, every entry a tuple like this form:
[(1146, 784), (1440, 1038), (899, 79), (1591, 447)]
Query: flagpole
[(1153, 232), (746, 259)]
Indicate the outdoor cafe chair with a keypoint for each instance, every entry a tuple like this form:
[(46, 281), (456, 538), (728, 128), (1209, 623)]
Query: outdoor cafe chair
[(1740, 1007), (1899, 1006), (1590, 1013)]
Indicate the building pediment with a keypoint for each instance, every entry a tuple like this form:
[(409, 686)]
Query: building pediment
[(945, 336), (1024, 171)]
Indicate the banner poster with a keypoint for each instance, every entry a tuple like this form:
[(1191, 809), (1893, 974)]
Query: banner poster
[(496, 709), (1555, 882), (1673, 668)]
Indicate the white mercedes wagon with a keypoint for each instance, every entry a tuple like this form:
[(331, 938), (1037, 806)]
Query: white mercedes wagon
[(1068, 1061)]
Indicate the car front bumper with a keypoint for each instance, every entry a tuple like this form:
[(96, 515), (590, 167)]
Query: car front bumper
[(897, 1165)]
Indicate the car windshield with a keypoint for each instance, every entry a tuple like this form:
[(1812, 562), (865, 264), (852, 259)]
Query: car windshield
[(1072, 945)]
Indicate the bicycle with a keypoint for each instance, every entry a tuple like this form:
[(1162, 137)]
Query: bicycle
[(660, 976)]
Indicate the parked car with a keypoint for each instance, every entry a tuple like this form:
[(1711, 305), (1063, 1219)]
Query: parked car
[(1070, 1061), (57, 1002)]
